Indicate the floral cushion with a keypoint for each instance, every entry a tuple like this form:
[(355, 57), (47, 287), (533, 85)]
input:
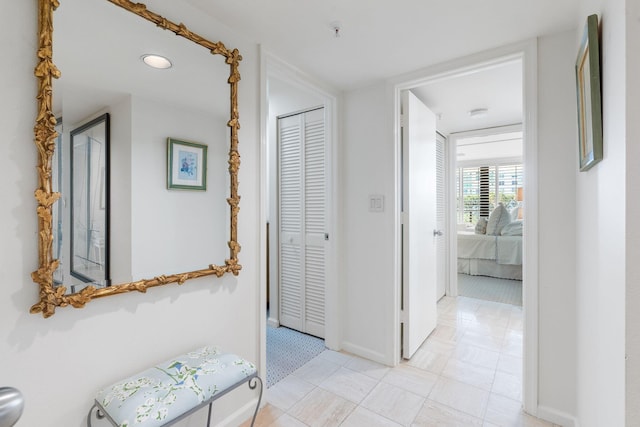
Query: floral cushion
[(161, 394)]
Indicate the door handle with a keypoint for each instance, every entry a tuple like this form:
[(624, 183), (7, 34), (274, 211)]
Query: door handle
[(437, 232)]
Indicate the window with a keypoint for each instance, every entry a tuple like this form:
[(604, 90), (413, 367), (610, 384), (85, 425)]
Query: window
[(480, 189)]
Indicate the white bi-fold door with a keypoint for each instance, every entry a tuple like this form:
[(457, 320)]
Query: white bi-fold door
[(302, 221)]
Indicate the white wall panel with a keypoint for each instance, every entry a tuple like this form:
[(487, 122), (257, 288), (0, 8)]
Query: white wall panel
[(600, 238), (61, 362), (557, 148)]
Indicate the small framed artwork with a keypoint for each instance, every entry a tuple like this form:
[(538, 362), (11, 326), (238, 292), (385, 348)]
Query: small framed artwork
[(186, 165), (589, 97)]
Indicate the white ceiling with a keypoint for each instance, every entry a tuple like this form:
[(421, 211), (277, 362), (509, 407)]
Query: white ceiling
[(379, 39), (475, 150), (383, 39), (497, 89)]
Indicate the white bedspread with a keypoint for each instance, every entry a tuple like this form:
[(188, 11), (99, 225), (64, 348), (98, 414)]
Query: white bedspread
[(509, 250), (502, 249)]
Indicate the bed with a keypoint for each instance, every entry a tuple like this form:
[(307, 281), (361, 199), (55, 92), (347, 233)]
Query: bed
[(487, 255)]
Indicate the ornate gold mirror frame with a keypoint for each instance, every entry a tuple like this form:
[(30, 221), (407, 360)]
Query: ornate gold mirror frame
[(45, 136)]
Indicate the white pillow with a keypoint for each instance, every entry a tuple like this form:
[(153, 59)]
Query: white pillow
[(514, 213), (481, 226), (497, 220), (512, 229)]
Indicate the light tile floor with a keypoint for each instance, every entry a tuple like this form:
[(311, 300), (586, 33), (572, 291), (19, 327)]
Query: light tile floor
[(467, 373)]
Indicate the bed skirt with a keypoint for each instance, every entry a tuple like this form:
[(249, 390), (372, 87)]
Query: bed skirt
[(483, 267)]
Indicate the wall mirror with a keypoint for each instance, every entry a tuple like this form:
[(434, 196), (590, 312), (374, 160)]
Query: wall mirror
[(91, 79)]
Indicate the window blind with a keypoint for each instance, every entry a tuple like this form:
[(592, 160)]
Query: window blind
[(480, 189)]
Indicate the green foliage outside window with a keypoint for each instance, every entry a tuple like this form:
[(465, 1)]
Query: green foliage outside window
[(506, 181)]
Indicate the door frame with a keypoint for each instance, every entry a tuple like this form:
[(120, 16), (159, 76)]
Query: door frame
[(273, 67), (527, 53)]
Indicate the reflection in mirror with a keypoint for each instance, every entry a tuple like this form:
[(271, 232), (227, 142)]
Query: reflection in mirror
[(162, 236), (89, 239), (58, 210)]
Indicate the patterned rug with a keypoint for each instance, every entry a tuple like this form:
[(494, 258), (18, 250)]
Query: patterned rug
[(490, 289), (287, 350)]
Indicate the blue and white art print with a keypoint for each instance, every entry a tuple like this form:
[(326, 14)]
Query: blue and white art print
[(186, 165)]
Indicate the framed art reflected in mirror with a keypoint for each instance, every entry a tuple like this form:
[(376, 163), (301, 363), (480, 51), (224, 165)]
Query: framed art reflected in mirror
[(186, 165), (90, 189)]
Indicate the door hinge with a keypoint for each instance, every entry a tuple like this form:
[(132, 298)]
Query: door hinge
[(403, 316), (403, 218)]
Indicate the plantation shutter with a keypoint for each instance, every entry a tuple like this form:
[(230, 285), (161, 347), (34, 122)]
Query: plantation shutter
[(510, 177), (480, 189), (302, 221), (485, 209)]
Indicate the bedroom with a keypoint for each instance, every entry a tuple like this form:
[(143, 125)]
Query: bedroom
[(479, 117)]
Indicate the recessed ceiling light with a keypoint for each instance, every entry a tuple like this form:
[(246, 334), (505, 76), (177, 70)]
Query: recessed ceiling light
[(156, 61), (478, 112)]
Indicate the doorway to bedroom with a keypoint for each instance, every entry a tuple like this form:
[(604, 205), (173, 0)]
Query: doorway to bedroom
[(480, 110)]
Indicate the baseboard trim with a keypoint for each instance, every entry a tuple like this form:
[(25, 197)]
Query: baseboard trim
[(274, 323), (365, 353), (241, 415), (557, 417)]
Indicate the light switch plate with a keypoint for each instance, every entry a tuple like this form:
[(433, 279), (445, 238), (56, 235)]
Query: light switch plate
[(376, 203)]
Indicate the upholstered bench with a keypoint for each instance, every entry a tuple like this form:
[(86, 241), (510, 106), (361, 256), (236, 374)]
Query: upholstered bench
[(170, 391)]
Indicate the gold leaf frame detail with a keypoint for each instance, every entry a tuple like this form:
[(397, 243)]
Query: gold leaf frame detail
[(45, 135)]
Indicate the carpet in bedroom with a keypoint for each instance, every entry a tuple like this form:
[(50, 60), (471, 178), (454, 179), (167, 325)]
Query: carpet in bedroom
[(490, 289), (287, 350)]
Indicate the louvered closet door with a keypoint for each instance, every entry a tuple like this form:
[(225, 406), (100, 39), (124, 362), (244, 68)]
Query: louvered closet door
[(441, 200), (302, 221)]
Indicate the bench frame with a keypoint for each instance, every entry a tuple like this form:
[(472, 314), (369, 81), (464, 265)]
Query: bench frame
[(253, 380)]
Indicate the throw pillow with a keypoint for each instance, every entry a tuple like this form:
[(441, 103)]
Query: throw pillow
[(481, 226), (497, 220), (514, 213)]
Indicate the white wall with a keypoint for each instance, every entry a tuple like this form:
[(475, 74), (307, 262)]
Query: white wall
[(556, 216), (632, 201), (193, 226), (121, 190), (368, 167), (60, 363), (600, 242)]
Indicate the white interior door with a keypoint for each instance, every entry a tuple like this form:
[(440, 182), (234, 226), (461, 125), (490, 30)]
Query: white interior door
[(419, 233), (303, 204)]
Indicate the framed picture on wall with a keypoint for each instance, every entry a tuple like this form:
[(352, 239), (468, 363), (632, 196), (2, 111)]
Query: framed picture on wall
[(589, 97), (186, 165)]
